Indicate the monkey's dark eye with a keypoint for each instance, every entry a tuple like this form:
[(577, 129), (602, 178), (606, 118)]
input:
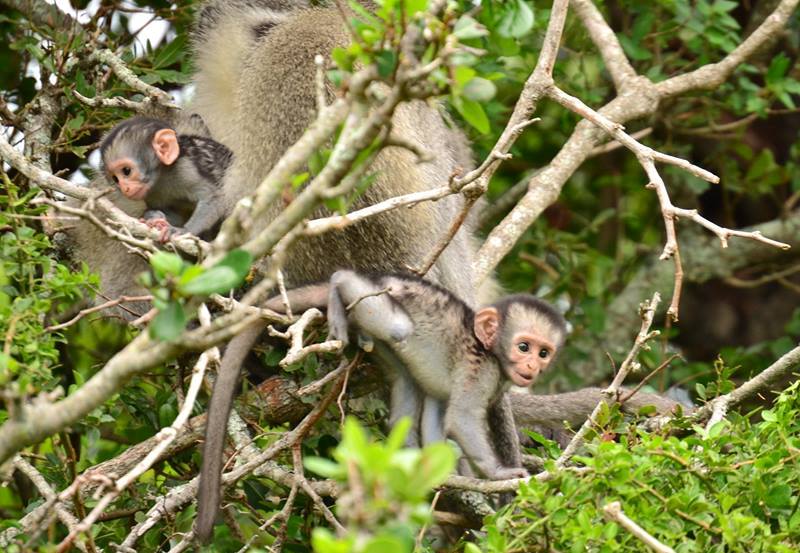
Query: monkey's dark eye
[(126, 171), (544, 353), (523, 347), (115, 179)]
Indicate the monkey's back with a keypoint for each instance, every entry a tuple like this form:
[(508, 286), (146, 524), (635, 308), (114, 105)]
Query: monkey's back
[(273, 105), (442, 336)]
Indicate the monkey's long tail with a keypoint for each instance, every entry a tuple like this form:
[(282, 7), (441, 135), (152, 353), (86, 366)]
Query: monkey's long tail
[(219, 409)]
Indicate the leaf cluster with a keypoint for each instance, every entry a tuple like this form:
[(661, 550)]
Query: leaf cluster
[(385, 503), (733, 487)]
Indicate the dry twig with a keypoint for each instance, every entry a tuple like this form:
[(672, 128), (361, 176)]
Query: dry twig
[(167, 435), (647, 311), (296, 334), (613, 511)]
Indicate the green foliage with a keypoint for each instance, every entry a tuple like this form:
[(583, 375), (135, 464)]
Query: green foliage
[(34, 291), (733, 488), (174, 281), (385, 504)]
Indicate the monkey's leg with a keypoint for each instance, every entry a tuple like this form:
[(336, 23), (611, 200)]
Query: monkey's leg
[(219, 409), (466, 420), (432, 420), (373, 311), (406, 397), (504, 432), (205, 215), (406, 401)]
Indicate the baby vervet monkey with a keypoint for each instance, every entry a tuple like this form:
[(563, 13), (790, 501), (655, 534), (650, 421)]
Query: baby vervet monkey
[(465, 359), (436, 348), (178, 175)]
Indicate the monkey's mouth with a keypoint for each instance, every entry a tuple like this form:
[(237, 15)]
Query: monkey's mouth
[(140, 193), (522, 379)]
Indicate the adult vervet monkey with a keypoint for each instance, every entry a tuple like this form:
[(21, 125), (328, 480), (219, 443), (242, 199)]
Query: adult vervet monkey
[(256, 92)]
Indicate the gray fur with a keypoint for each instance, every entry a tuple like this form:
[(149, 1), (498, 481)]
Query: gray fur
[(190, 189), (437, 363), (255, 88)]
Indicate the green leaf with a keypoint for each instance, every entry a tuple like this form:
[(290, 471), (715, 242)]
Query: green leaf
[(471, 548), (300, 179), (769, 415), (385, 544), (473, 113), (222, 277), (354, 438), (560, 517), (716, 430), (480, 90), (398, 434), (164, 264), (779, 497), (462, 75), (342, 59), (517, 21), (323, 541), (634, 49), (170, 53), (438, 461), (166, 414), (172, 76), (386, 61), (190, 273), (74, 124), (413, 7), (647, 410), (238, 260), (467, 28), (216, 280), (777, 68), (325, 467), (169, 323)]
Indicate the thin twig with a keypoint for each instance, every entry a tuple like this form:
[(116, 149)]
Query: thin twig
[(315, 498), (757, 385), (613, 511), (284, 296), (647, 311), (446, 238), (69, 519), (296, 334), (89, 310), (647, 378), (766, 279), (167, 434)]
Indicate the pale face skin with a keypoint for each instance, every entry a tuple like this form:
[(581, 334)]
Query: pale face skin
[(529, 351), (530, 355), (125, 171)]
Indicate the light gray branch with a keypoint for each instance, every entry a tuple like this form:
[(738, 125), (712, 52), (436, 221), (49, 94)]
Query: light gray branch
[(638, 97)]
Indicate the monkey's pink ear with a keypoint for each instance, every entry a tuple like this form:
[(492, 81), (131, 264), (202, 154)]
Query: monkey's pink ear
[(165, 144), (487, 323)]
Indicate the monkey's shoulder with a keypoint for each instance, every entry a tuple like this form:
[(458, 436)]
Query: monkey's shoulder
[(427, 299), (210, 158)]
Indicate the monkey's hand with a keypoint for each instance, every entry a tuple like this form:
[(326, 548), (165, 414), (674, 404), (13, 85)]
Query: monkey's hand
[(156, 219), (163, 227), (507, 473)]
